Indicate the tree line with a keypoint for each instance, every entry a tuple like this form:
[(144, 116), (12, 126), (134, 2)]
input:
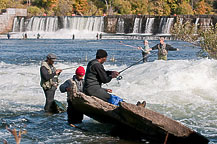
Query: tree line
[(112, 7)]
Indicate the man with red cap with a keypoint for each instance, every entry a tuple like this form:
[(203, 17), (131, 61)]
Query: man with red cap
[(74, 116), (96, 75)]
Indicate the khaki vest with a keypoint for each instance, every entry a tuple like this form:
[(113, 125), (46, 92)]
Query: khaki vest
[(73, 92), (162, 50), (48, 84)]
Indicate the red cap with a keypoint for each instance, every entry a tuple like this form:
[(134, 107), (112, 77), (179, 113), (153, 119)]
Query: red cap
[(80, 71)]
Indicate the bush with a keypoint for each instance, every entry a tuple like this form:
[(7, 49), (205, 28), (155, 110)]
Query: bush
[(209, 41), (35, 11)]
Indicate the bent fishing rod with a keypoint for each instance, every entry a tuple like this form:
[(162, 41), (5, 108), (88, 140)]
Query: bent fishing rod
[(131, 46), (120, 77)]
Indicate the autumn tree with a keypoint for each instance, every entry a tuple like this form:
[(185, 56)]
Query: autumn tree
[(3, 4), (47, 4), (80, 6), (202, 8)]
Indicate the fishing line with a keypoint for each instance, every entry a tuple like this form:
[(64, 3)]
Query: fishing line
[(120, 42), (120, 77)]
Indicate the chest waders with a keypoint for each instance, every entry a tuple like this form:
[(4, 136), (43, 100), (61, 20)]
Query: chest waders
[(162, 52)]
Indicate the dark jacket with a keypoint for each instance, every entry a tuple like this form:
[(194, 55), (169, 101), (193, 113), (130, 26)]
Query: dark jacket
[(94, 77), (168, 47), (45, 75)]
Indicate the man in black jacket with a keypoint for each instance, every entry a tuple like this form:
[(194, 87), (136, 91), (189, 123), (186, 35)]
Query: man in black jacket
[(96, 75)]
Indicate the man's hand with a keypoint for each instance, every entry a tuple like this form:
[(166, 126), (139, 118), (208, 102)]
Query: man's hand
[(139, 48), (109, 90), (68, 89), (58, 71), (115, 74)]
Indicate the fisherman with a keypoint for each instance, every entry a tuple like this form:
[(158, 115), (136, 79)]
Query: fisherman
[(25, 36), (97, 36), (163, 49), (145, 51), (8, 35), (100, 36), (49, 80), (96, 75), (38, 36), (74, 116)]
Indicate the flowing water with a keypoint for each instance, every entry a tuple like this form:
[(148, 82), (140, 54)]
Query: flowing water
[(183, 88)]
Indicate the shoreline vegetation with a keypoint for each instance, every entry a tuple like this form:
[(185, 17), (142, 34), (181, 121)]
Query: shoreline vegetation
[(204, 37), (112, 7)]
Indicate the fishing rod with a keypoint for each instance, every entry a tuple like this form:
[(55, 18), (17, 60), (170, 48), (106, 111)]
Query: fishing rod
[(120, 77), (131, 46), (69, 68)]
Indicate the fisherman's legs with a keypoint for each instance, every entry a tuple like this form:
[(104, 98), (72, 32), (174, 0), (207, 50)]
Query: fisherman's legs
[(74, 116), (49, 94), (98, 92), (160, 57), (145, 57)]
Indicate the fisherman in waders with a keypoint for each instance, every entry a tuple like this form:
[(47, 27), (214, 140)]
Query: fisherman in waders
[(145, 51), (49, 80), (96, 75), (163, 49), (74, 116)]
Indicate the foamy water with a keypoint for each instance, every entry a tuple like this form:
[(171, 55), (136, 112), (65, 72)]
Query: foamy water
[(184, 90), (60, 34)]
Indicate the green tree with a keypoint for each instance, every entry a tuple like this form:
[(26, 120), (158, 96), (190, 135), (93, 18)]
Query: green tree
[(64, 8), (139, 6), (45, 3), (184, 8), (209, 41), (122, 6), (159, 7), (35, 11)]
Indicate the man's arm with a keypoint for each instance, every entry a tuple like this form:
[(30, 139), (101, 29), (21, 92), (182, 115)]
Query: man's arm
[(64, 86), (170, 48), (45, 74), (155, 47)]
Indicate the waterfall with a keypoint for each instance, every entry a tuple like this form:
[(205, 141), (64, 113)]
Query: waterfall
[(51, 24), (120, 26), (137, 25), (149, 25), (197, 20), (15, 25), (196, 25), (165, 25)]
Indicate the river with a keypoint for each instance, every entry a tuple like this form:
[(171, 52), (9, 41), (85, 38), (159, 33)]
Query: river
[(183, 88)]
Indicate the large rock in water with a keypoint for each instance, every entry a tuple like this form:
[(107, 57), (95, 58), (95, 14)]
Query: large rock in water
[(147, 123)]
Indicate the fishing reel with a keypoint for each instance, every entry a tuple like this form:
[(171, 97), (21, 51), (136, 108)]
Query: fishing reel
[(119, 78)]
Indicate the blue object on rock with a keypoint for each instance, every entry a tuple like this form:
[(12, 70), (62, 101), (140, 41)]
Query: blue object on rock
[(114, 100)]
